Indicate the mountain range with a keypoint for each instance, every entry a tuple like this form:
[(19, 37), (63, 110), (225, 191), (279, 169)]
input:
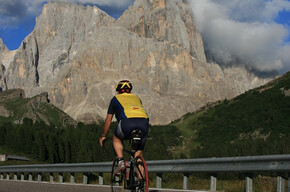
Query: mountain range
[(77, 54)]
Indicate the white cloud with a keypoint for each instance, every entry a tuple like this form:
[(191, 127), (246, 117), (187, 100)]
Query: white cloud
[(284, 54), (11, 12), (244, 32)]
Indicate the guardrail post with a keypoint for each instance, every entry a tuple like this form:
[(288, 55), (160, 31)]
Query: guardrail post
[(22, 176), (8, 176), (159, 180), (15, 176), (60, 175), (39, 177), (185, 181), (51, 177), (1, 176), (85, 178), (280, 182), (101, 179), (249, 183), (72, 177), (213, 182), (30, 177)]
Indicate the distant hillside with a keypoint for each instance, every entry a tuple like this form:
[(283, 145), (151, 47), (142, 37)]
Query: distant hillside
[(14, 107), (256, 122)]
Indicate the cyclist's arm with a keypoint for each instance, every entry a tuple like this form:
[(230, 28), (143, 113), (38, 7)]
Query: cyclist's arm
[(106, 128), (107, 124)]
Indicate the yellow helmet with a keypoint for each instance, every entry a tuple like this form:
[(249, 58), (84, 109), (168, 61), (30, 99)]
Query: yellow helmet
[(124, 86)]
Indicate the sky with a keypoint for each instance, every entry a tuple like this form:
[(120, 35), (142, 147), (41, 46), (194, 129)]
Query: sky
[(254, 33)]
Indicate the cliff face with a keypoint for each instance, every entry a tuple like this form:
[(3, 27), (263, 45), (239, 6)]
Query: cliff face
[(163, 20), (77, 54), (5, 58)]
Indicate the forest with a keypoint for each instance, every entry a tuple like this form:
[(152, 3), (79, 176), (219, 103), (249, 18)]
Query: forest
[(74, 144)]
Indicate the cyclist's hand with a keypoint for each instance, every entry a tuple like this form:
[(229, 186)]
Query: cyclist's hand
[(101, 140)]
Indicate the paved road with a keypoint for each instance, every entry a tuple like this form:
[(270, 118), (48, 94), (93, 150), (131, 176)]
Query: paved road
[(26, 186)]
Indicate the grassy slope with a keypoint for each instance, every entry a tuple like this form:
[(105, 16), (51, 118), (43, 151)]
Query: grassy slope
[(20, 108), (261, 114)]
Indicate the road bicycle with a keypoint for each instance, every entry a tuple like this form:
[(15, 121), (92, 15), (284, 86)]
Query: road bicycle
[(135, 176)]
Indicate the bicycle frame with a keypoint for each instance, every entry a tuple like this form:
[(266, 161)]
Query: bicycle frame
[(137, 177), (131, 164)]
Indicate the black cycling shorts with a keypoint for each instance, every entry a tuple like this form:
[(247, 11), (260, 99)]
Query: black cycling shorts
[(126, 126)]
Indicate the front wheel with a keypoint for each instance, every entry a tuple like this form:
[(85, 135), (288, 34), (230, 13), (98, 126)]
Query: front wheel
[(117, 180), (141, 175)]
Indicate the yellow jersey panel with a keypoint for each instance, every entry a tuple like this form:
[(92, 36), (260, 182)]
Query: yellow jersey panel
[(132, 105)]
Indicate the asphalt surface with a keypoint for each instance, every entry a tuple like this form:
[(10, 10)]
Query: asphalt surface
[(27, 186)]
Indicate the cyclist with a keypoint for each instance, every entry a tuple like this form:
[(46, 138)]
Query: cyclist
[(130, 115)]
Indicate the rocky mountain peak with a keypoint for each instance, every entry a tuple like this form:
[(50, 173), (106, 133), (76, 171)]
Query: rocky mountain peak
[(77, 54), (54, 42), (163, 20)]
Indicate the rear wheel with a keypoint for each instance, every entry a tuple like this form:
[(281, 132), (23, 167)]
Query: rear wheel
[(117, 180), (141, 175)]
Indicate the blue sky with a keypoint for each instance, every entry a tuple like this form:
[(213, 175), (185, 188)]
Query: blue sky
[(284, 19), (255, 33)]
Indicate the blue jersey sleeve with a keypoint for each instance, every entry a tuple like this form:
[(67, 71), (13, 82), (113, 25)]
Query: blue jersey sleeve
[(116, 109), (112, 107)]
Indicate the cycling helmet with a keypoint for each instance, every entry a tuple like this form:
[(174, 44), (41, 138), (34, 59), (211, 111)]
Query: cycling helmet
[(124, 86)]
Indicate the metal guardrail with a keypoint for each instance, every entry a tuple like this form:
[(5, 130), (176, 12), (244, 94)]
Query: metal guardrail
[(248, 164)]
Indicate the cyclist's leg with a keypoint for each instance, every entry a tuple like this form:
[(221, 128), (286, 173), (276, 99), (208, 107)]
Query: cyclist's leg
[(117, 180), (142, 174), (118, 136), (140, 149), (139, 153), (118, 146)]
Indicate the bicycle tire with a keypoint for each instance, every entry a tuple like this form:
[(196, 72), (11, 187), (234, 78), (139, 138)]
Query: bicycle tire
[(117, 180), (141, 169)]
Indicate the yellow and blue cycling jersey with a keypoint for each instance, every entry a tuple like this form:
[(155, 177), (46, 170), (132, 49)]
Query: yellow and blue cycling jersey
[(127, 105), (131, 115)]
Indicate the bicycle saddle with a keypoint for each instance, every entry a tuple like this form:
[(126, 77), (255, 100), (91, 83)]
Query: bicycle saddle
[(135, 138)]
